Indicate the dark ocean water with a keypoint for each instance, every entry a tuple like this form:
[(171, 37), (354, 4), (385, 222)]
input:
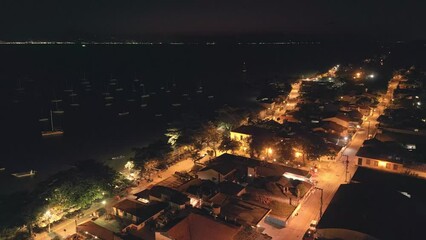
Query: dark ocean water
[(198, 78)]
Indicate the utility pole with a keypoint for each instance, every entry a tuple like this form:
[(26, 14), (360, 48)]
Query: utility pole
[(346, 163), (368, 130), (322, 194)]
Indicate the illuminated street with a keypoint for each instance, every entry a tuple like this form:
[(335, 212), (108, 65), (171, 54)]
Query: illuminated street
[(331, 175)]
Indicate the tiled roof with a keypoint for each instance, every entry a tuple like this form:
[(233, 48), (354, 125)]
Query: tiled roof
[(196, 226), (140, 210)]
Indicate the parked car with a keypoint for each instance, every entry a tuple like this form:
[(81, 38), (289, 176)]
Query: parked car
[(313, 225), (309, 235)]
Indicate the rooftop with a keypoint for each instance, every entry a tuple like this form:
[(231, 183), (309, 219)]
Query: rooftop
[(197, 226), (95, 230), (243, 212), (387, 151), (250, 130), (230, 188), (379, 212), (140, 210), (170, 193), (398, 182)]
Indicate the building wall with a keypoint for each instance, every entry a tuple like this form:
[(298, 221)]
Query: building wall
[(380, 164)]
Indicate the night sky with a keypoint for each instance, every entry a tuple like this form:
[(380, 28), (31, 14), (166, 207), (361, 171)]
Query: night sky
[(56, 19)]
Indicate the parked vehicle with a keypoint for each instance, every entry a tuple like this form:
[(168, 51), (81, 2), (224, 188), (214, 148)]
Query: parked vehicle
[(313, 225), (309, 235)]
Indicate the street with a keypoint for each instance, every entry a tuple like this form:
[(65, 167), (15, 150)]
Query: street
[(331, 175)]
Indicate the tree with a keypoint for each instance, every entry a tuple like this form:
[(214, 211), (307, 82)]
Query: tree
[(229, 118), (129, 165), (158, 150), (210, 136), (227, 144)]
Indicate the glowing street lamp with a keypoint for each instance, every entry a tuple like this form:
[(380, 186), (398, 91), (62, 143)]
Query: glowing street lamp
[(103, 202), (269, 152), (358, 75)]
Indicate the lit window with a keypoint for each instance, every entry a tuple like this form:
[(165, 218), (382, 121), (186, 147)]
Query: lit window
[(388, 165), (368, 162), (376, 163), (395, 167)]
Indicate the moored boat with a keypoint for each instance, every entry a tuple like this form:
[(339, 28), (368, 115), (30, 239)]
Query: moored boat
[(24, 174)]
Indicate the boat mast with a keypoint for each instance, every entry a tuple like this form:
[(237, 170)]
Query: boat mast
[(51, 120)]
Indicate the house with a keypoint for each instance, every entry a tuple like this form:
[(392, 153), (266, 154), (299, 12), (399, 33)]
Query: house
[(379, 155), (365, 110), (332, 128), (197, 226), (91, 230), (340, 118), (216, 172), (137, 213), (176, 199), (245, 133), (243, 212)]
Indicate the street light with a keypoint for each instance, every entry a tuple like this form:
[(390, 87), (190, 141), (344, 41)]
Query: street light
[(269, 152), (103, 202)]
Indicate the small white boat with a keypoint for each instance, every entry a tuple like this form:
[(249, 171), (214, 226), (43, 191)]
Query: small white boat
[(108, 98), (112, 83), (58, 111), (108, 104), (56, 100), (131, 100), (24, 174), (210, 97), (185, 95), (145, 96), (144, 105), (119, 89), (2, 168), (118, 157), (85, 82), (74, 105), (43, 119), (176, 104), (123, 113), (158, 115)]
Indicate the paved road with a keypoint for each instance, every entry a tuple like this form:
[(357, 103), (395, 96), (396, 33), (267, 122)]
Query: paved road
[(330, 176)]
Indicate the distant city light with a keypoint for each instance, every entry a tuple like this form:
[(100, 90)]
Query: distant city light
[(103, 202)]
